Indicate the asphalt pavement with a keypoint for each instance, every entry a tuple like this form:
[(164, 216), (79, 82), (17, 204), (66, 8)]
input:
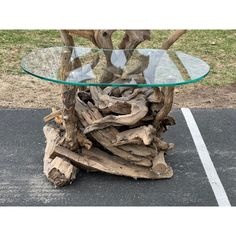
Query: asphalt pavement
[(22, 182)]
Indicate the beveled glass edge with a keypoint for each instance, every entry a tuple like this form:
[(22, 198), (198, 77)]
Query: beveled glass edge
[(114, 84)]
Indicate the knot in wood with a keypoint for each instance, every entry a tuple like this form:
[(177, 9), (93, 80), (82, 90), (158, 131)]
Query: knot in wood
[(104, 34)]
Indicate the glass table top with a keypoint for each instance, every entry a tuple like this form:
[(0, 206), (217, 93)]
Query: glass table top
[(106, 67)]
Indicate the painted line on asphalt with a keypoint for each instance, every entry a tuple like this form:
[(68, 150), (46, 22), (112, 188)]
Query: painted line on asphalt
[(205, 158)]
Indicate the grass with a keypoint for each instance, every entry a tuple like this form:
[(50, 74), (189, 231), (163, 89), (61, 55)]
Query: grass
[(216, 47)]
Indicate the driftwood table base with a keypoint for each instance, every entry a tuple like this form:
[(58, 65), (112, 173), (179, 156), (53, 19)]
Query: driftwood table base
[(117, 130), (117, 135)]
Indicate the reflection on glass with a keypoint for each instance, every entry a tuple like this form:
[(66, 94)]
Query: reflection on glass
[(79, 52), (81, 74), (118, 58), (104, 67)]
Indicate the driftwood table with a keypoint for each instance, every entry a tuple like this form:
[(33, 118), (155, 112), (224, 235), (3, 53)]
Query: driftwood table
[(115, 104)]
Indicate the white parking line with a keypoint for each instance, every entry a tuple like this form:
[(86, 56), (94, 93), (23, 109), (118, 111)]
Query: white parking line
[(207, 163)]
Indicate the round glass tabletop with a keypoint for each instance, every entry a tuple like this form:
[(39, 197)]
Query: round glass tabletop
[(106, 67)]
